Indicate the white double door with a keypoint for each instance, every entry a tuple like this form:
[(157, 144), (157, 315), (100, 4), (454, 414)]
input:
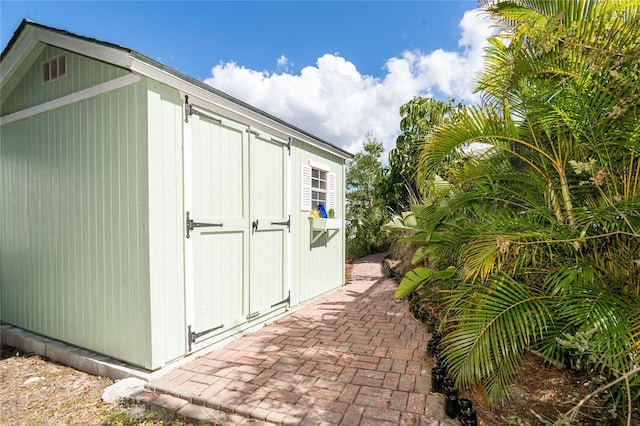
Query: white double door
[(236, 252)]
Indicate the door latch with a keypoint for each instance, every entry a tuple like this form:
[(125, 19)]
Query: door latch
[(191, 225)]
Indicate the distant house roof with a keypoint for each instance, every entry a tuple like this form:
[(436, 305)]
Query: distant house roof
[(115, 54)]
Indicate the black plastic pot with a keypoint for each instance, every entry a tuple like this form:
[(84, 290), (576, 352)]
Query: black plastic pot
[(449, 385), (470, 420), (451, 403), (432, 346), (437, 378), (464, 407)]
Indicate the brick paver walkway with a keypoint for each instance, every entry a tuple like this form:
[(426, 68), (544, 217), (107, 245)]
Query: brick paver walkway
[(352, 357)]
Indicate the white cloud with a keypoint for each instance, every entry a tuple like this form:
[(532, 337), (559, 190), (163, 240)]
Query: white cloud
[(283, 63), (334, 101)]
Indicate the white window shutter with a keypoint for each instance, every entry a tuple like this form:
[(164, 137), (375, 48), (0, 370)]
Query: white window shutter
[(305, 196), (331, 192)]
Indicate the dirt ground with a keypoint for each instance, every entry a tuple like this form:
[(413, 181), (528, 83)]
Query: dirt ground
[(542, 395), (35, 391)]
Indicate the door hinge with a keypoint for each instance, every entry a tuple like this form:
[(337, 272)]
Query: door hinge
[(191, 225), (253, 315), (287, 223), (282, 302), (189, 110), (287, 144), (192, 335)]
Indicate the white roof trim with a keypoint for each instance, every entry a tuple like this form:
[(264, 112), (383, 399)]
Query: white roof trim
[(226, 107), (33, 35), (125, 58)]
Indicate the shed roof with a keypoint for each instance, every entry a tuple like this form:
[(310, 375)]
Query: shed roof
[(29, 32)]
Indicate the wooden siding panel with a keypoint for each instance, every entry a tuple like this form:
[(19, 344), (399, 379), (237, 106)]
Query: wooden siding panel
[(166, 224), (220, 143), (268, 204), (220, 299), (74, 182), (316, 268), (82, 72), (219, 195)]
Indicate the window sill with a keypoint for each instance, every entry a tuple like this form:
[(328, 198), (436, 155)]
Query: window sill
[(322, 224), (327, 228)]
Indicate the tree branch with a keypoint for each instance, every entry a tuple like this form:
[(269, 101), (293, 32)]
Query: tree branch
[(574, 411)]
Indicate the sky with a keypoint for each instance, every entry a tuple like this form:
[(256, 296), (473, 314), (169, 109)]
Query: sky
[(337, 69)]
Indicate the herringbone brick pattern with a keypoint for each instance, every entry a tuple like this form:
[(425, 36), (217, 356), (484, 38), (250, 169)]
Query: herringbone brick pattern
[(353, 357)]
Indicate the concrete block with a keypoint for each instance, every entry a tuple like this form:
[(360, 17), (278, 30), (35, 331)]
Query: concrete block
[(34, 345), (18, 341), (58, 352), (82, 360), (112, 371), (7, 336)]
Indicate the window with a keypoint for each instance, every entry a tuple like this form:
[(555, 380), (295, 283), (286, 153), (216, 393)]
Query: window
[(54, 68), (318, 187)]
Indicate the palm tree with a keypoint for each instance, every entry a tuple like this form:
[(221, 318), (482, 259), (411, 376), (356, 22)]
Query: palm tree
[(544, 226)]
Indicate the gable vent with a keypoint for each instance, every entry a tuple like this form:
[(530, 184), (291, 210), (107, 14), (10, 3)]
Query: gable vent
[(54, 68)]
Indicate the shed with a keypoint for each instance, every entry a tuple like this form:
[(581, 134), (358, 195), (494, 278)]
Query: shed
[(145, 215)]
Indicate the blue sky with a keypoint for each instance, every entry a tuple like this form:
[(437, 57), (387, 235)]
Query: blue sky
[(338, 69)]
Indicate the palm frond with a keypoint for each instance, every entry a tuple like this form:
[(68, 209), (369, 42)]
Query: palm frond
[(492, 327)]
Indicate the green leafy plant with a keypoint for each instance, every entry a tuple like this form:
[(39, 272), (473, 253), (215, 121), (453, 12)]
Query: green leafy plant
[(365, 213), (542, 227), (397, 187)]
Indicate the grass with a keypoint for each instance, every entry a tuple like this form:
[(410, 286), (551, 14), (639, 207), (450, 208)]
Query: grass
[(146, 418)]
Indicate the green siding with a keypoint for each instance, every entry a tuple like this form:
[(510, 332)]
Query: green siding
[(316, 268), (29, 90), (74, 252), (166, 224)]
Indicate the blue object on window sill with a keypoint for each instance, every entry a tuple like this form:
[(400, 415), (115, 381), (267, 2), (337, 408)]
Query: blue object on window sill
[(322, 211)]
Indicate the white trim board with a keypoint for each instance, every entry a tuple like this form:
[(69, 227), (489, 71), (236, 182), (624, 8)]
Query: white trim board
[(33, 35), (87, 93), (227, 108), (319, 166)]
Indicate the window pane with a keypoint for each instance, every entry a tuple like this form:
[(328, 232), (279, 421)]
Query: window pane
[(54, 69), (62, 66), (45, 71), (318, 178)]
